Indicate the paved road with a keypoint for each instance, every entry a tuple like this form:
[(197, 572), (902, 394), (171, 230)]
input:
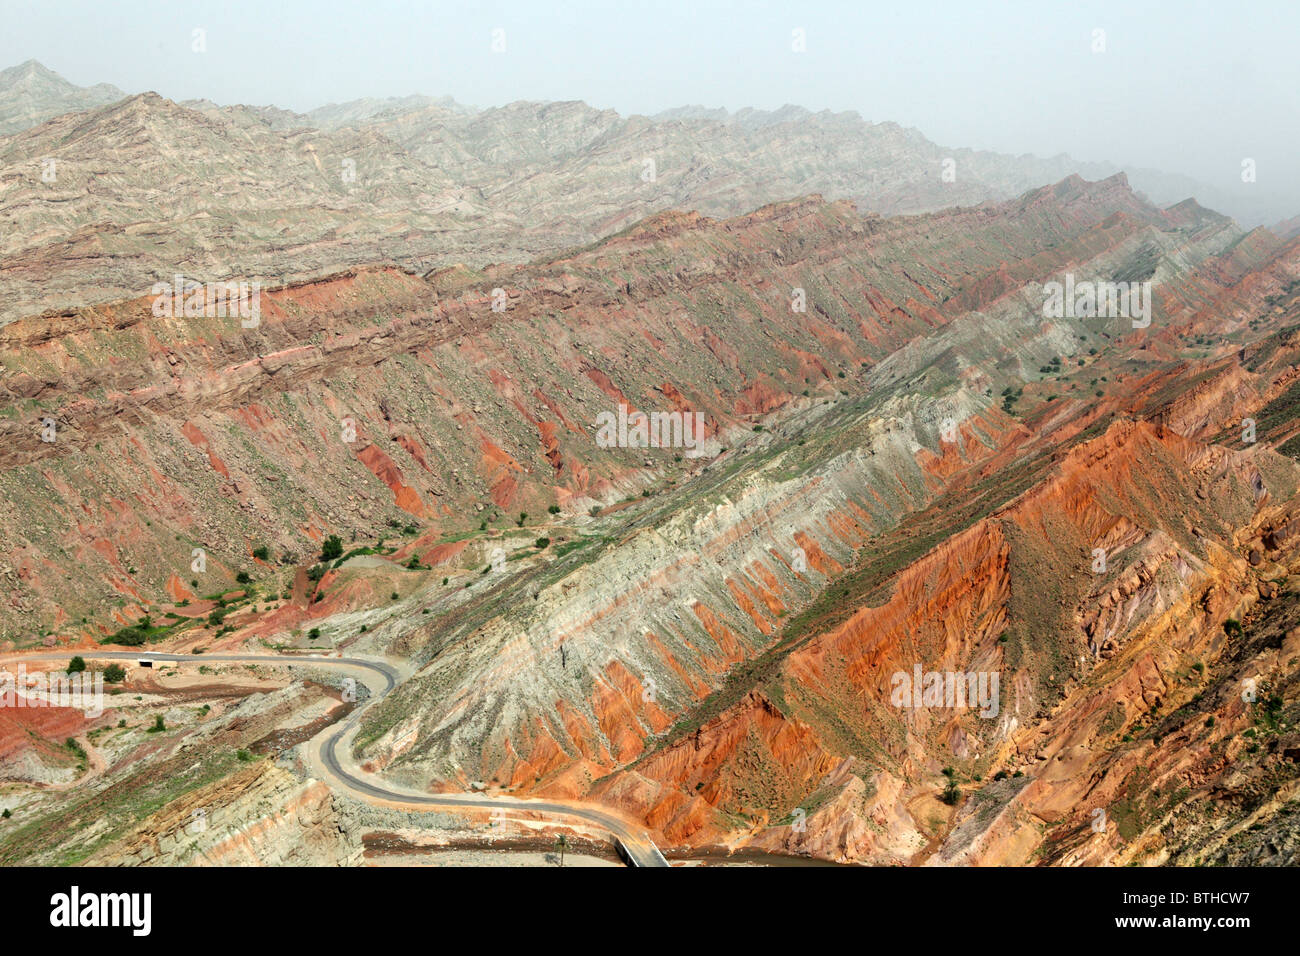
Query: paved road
[(327, 745)]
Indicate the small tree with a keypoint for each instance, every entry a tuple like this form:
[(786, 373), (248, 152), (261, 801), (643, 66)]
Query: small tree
[(332, 548), (262, 553), (76, 665), (130, 636), (562, 844), (158, 725), (114, 674), (523, 516)]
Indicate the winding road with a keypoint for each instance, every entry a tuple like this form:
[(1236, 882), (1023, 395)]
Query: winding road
[(323, 750)]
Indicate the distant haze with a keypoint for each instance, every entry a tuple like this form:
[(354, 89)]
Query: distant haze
[(1190, 88)]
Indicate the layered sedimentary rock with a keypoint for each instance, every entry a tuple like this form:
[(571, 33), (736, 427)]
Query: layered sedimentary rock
[(102, 203), (904, 463)]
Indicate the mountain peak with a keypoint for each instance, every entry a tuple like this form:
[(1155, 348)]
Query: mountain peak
[(31, 93), (32, 73)]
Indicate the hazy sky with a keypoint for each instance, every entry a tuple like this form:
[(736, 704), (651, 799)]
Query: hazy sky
[(1186, 87)]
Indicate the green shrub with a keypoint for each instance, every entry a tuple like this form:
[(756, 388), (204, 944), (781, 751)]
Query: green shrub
[(332, 548), (129, 636), (76, 665)]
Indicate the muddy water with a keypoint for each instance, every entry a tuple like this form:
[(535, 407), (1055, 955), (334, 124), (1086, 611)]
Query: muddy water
[(743, 857), (279, 741), (378, 844)]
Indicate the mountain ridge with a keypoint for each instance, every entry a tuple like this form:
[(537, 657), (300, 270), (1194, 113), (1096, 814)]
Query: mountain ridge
[(425, 182), (30, 94)]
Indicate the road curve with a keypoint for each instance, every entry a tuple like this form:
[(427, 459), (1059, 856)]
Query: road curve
[(638, 845)]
